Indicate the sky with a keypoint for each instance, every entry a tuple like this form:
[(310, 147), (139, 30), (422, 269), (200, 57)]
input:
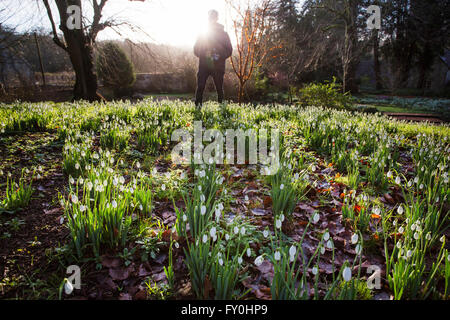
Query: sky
[(174, 22)]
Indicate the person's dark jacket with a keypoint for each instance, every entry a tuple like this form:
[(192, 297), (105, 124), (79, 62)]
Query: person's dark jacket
[(213, 49)]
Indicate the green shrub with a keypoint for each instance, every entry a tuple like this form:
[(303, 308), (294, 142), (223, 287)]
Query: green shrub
[(328, 95), (115, 70)]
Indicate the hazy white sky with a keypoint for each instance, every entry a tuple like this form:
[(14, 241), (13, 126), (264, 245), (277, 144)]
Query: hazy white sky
[(176, 22)]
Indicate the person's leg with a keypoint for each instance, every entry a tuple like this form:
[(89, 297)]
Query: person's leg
[(202, 76), (218, 82)]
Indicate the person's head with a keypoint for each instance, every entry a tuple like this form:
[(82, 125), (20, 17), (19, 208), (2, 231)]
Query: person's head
[(213, 16)]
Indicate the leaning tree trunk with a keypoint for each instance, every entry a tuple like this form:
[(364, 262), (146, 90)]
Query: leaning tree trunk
[(80, 50)]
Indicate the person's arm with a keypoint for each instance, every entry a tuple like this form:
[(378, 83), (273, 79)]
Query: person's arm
[(228, 46), (199, 47)]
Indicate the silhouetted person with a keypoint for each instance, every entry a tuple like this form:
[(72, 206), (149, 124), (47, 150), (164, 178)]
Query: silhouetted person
[(212, 49)]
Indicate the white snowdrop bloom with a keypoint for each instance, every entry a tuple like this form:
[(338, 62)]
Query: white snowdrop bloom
[(141, 208), (200, 188), (77, 166), (347, 274), (389, 174), (416, 235), (330, 244), (184, 218), (163, 187), (416, 179), (74, 199), (82, 208), (259, 260), (409, 254), (212, 232), (249, 252), (266, 233), (138, 165), (203, 210), (413, 227), (114, 204), (177, 245), (322, 250), (277, 256), (355, 238), (246, 198), (376, 210), (205, 238), (315, 271), (221, 261), (442, 239), (401, 230), (409, 184), (400, 210), (227, 237), (278, 224), (292, 250), (61, 220), (242, 230), (281, 186), (68, 287), (202, 198), (296, 176), (313, 168), (397, 180), (316, 218), (282, 217), (399, 244), (239, 260), (71, 180), (428, 236), (421, 186), (326, 236), (358, 249)]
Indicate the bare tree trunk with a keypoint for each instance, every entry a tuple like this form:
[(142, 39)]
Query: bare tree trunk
[(376, 61), (80, 50)]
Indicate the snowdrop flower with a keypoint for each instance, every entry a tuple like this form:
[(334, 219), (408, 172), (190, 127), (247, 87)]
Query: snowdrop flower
[(227, 237), (212, 232), (347, 274), (246, 198), (239, 260), (177, 245), (281, 186), (184, 218), (330, 244), (400, 210), (315, 271), (428, 236), (138, 165), (389, 174), (442, 239), (82, 208), (322, 250), (278, 224), (236, 230), (397, 180), (205, 238), (401, 230), (61, 220), (316, 218), (249, 252), (416, 235), (221, 261), (292, 250), (71, 180), (266, 233), (416, 179), (202, 198), (277, 256), (409, 254), (243, 231), (68, 287), (114, 204), (259, 260), (74, 199), (355, 238), (203, 210), (163, 187)]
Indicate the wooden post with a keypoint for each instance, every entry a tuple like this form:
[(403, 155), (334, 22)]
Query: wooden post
[(40, 58)]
